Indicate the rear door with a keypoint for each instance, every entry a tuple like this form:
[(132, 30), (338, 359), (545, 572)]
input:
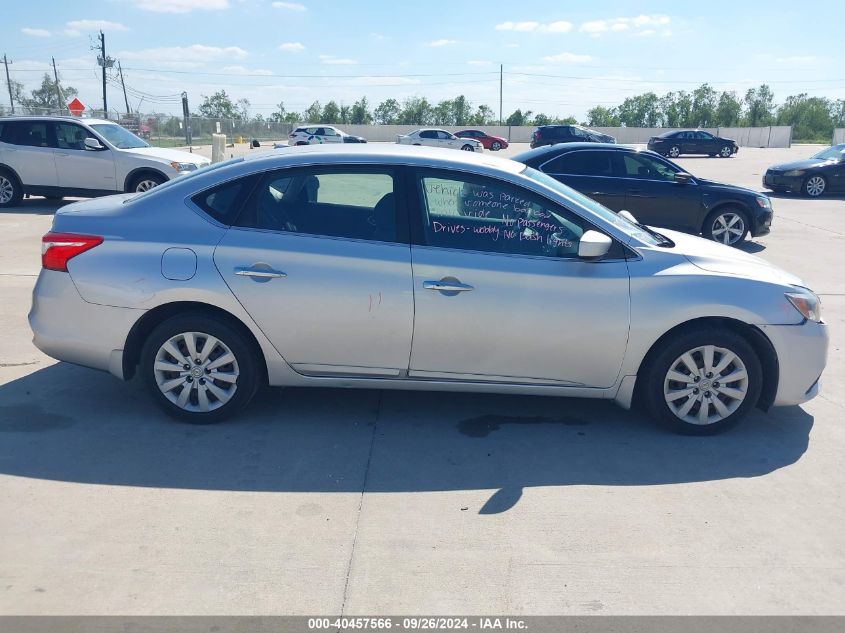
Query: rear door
[(592, 173), (81, 168), (654, 197), (30, 152), (319, 259)]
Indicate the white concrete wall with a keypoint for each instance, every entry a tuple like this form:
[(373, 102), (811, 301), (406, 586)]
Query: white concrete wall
[(774, 136), (838, 135)]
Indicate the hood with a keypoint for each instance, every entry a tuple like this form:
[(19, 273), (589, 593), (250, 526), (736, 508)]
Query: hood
[(168, 155), (732, 188), (727, 260), (805, 163)]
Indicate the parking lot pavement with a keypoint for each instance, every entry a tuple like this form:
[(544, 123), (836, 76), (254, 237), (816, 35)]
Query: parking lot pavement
[(367, 502)]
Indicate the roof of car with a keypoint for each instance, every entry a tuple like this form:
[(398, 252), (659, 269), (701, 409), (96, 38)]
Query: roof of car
[(564, 148), (55, 118)]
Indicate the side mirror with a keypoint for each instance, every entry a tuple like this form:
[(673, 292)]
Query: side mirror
[(683, 178), (594, 245), (628, 216), (93, 144)]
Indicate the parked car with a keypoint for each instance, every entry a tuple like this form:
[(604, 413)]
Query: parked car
[(295, 268), (318, 134), (494, 143), (433, 137), (657, 191), (824, 172), (65, 156), (680, 142), (554, 134)]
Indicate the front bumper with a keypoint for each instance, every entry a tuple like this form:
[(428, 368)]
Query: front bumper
[(775, 182), (802, 355), (68, 328), (762, 223)]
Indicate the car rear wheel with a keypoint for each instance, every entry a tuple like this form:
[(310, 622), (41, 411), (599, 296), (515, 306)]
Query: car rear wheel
[(496, 146), (11, 192), (814, 186), (726, 152), (199, 369), (301, 143), (468, 148), (674, 151), (727, 226), (145, 182), (703, 381)]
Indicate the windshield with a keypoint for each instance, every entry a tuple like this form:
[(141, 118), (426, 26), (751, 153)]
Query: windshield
[(831, 153), (119, 136), (629, 228), (184, 177)]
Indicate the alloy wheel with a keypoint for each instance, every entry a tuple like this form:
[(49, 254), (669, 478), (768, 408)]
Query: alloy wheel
[(728, 228), (705, 385), (7, 190), (197, 372), (674, 151), (725, 152), (815, 186), (467, 148), (496, 146), (145, 185)]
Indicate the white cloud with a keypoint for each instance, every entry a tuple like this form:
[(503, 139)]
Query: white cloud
[(560, 26), (290, 6), (35, 32), (378, 36), (337, 61), (646, 33), (569, 58), (479, 62), (196, 53), (380, 81), (443, 42), (95, 25), (643, 24), (242, 70), (512, 45), (72, 32), (292, 47), (181, 6)]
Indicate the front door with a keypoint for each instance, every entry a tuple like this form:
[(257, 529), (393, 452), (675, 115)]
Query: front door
[(81, 168), (318, 262), (501, 295), (654, 197)]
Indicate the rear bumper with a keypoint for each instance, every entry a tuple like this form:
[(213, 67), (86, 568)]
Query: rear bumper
[(802, 356), (70, 329)]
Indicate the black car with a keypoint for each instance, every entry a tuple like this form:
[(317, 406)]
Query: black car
[(692, 142), (822, 173), (553, 134), (655, 190)]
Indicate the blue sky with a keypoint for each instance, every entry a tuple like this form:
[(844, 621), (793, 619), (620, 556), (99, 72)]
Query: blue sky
[(559, 57)]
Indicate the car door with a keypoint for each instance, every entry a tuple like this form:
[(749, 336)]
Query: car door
[(332, 135), (429, 137), (318, 260), (30, 150), (837, 174), (707, 143), (592, 173), (500, 294), (81, 168), (448, 140), (653, 195), (690, 143)]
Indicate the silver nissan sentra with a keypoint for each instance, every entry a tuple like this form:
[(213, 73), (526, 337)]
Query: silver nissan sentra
[(414, 268)]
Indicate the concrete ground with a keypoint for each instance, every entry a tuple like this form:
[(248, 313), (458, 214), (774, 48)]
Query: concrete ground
[(368, 502)]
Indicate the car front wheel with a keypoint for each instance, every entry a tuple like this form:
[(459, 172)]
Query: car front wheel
[(703, 381), (199, 369), (727, 226), (146, 182), (814, 186), (726, 152), (467, 148)]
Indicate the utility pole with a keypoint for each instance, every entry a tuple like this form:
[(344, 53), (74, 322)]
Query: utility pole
[(500, 93), (58, 89), (106, 62), (6, 63), (186, 114), (124, 89)]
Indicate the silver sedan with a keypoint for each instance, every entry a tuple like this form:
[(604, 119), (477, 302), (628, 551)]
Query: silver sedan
[(396, 268)]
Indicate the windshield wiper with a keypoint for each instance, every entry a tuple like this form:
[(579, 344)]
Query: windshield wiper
[(662, 239)]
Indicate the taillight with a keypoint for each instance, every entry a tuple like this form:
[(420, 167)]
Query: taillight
[(536, 135), (58, 248)]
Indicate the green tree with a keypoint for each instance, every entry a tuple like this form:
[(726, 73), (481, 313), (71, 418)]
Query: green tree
[(416, 111), (331, 113), (281, 115), (760, 105), (838, 113), (45, 97), (518, 117), (704, 102), (242, 107), (387, 112), (461, 110), (313, 113), (640, 111), (360, 113), (483, 115), (542, 119), (443, 113), (812, 118), (218, 106), (600, 116), (345, 114), (569, 120), (728, 110)]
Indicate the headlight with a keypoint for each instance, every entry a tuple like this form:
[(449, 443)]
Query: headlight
[(764, 202), (807, 303), (794, 172), (183, 166)]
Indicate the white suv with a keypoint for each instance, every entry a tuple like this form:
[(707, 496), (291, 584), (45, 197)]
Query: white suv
[(319, 134), (65, 156)]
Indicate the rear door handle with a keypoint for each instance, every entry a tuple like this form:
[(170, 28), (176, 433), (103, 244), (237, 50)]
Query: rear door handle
[(447, 286), (260, 273)]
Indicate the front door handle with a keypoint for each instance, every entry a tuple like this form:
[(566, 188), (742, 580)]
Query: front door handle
[(259, 273), (446, 285)]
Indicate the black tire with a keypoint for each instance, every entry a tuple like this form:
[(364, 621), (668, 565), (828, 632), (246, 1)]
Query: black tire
[(495, 146), (139, 182), (726, 151), (810, 189), (710, 221), (673, 152), (468, 148), (301, 143), (246, 363), (656, 379), (11, 191)]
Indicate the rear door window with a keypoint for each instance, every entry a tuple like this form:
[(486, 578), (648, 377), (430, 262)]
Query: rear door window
[(584, 163), (31, 134)]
